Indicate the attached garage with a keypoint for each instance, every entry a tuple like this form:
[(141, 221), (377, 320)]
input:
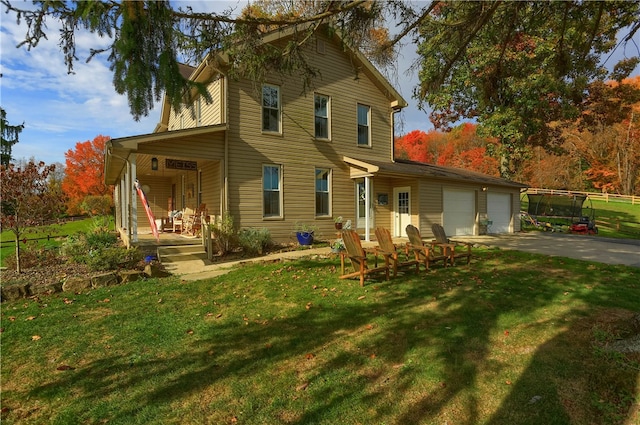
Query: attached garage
[(459, 211), (499, 212)]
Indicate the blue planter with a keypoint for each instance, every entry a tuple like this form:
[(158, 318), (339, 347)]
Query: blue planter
[(305, 238)]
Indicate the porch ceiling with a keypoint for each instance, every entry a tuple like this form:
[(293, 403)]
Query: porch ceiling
[(118, 151)]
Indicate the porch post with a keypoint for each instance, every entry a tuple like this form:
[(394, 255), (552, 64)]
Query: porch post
[(367, 207), (133, 216)]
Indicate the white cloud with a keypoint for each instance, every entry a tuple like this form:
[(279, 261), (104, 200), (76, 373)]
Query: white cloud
[(61, 109)]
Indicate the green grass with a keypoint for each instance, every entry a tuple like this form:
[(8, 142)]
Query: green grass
[(57, 232), (512, 338), (611, 214), (614, 219)]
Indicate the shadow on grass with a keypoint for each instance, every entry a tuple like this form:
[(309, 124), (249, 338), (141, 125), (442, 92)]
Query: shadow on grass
[(354, 353)]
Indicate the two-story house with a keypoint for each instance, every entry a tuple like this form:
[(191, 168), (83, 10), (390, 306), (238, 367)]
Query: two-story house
[(273, 155)]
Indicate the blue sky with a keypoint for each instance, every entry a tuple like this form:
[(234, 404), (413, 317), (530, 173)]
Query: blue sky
[(60, 109)]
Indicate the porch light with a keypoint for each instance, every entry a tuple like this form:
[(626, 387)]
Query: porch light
[(154, 164)]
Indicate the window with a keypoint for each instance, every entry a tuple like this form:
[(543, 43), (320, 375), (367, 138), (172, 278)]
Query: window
[(322, 191), (322, 116), (271, 190), (271, 108), (364, 112)]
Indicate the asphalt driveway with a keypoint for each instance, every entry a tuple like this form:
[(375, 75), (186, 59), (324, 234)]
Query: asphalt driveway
[(582, 247)]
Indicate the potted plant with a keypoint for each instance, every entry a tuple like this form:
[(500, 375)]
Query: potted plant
[(338, 222), (337, 246), (304, 233)]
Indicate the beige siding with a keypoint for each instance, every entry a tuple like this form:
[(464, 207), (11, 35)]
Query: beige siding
[(210, 113), (211, 187), (158, 196), (297, 149)]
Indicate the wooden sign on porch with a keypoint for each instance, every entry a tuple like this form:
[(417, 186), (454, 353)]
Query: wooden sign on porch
[(179, 164)]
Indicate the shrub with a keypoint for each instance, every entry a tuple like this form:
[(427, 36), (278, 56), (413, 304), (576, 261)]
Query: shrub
[(225, 234), (113, 258), (97, 204), (99, 249), (253, 240)]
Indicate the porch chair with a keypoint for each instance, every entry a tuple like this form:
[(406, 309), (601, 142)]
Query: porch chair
[(388, 248), (180, 220), (441, 240), (193, 225), (425, 253), (358, 257)]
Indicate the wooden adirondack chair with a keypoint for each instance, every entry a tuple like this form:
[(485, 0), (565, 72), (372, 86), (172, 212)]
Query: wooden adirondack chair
[(386, 247), (441, 240), (358, 257), (425, 253)]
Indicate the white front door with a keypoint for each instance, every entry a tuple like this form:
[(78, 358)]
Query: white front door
[(401, 210)]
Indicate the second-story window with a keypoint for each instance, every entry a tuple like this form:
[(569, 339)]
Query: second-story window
[(364, 126), (321, 111), (271, 108)]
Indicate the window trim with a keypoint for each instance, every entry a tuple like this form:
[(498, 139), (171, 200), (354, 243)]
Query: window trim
[(368, 144), (328, 117), (280, 192), (328, 192), (278, 109)]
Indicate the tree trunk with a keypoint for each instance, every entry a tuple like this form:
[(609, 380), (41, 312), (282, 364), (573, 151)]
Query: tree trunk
[(18, 269)]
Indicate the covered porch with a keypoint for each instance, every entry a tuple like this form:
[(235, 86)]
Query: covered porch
[(176, 170)]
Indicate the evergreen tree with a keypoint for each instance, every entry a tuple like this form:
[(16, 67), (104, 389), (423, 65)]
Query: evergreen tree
[(518, 67), (9, 137)]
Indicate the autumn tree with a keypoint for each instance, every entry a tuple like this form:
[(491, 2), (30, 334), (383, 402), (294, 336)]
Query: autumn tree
[(84, 175), (414, 146), (9, 137), (514, 66), (518, 68), (461, 147), (26, 199)]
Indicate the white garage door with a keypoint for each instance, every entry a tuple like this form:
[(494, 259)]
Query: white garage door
[(459, 212), (499, 211)]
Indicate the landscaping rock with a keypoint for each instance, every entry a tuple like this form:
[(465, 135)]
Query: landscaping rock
[(104, 279), (76, 284), (154, 270), (15, 292), (127, 276), (46, 289)]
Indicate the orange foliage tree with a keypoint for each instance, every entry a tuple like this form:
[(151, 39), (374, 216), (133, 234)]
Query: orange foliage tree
[(461, 148), (84, 173)]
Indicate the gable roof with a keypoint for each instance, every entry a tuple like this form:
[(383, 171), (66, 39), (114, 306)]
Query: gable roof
[(215, 61), (424, 170)]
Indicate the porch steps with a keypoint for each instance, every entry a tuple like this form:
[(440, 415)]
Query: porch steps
[(182, 259)]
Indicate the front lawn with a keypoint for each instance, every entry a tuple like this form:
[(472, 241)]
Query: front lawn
[(513, 338)]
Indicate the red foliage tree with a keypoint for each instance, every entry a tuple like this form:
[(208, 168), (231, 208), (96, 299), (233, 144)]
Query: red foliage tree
[(84, 173), (461, 148), (27, 199), (414, 146)]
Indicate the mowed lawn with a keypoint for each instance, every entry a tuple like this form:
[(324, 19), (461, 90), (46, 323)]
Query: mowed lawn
[(512, 338)]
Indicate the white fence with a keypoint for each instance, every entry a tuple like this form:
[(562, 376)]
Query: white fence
[(606, 197)]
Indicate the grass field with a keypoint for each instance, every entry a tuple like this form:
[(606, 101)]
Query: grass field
[(614, 219), (512, 338), (56, 233)]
